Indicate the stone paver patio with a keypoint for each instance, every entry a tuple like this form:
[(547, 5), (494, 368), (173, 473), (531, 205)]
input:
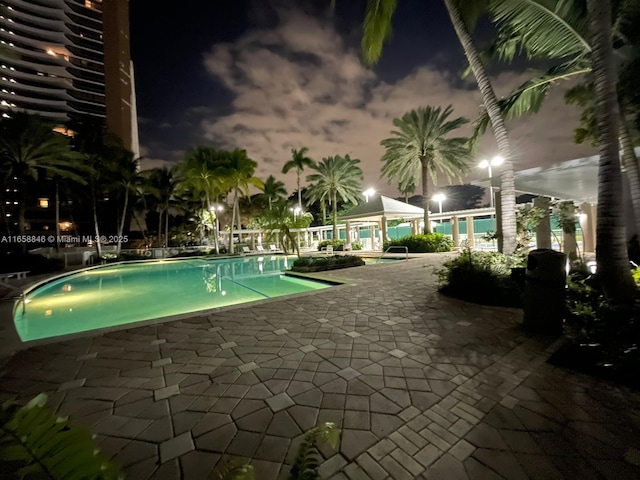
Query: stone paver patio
[(422, 386)]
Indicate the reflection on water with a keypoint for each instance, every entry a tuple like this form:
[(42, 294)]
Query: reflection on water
[(121, 294)]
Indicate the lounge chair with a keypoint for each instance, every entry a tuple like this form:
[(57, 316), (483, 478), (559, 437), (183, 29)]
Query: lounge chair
[(4, 277), (246, 249), (273, 248), (260, 249)]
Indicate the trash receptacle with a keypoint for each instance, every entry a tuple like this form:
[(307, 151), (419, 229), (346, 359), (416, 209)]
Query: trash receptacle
[(544, 293)]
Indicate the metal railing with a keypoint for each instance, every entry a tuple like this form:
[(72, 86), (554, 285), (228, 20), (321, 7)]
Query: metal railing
[(406, 252)]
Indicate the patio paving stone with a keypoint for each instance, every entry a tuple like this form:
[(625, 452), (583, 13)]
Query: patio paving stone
[(422, 386)]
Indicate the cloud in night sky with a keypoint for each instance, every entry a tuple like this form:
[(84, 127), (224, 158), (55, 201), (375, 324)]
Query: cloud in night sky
[(300, 84)]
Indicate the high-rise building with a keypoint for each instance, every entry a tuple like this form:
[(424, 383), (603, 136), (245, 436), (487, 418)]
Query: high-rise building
[(66, 59)]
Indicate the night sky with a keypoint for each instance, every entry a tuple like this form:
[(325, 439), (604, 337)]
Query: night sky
[(268, 76)]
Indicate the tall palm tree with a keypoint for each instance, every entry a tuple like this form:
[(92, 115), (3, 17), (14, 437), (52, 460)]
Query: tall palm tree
[(201, 174), (274, 190), (299, 161), (419, 149), (559, 30), (407, 190), (279, 221), (377, 29), (611, 251), (337, 178), (30, 150), (238, 176), (164, 186), (101, 151), (131, 183)]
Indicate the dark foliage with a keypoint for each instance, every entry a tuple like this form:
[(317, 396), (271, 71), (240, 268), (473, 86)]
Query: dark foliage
[(422, 243), (480, 277), (35, 264), (338, 245), (328, 262), (602, 338)]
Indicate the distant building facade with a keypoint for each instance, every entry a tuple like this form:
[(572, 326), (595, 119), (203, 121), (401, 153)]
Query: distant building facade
[(68, 59)]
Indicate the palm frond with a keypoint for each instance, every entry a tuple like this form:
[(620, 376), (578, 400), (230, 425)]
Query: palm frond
[(236, 471), (35, 443), (377, 29), (471, 11), (308, 458), (543, 28), (423, 134), (529, 96)]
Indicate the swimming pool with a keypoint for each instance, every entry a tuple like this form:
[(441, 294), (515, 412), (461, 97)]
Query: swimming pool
[(131, 292)]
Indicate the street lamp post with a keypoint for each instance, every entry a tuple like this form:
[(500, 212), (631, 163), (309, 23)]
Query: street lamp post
[(495, 162), (439, 197), (368, 193)]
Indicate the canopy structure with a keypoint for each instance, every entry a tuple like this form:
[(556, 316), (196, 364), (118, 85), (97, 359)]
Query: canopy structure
[(575, 180), (381, 206)]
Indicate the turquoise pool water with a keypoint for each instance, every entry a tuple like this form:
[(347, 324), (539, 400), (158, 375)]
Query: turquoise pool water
[(126, 293)]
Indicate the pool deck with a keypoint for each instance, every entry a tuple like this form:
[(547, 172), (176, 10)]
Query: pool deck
[(423, 386)]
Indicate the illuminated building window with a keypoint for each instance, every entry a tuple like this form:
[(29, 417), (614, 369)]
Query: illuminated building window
[(43, 202)]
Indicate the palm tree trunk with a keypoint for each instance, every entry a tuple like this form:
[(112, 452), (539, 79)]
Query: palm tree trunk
[(299, 192), (137, 220), (425, 194), (507, 233), (166, 226), (611, 245), (124, 215), (406, 197), (160, 228), (96, 226), (233, 219), (630, 163), (215, 223), (334, 200)]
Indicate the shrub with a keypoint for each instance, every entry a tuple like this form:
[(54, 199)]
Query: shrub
[(603, 338), (308, 457), (326, 263), (480, 277), (422, 243), (337, 245)]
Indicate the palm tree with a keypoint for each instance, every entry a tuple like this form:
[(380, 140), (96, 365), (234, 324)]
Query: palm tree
[(274, 190), (201, 174), (419, 149), (131, 182), (279, 221), (377, 29), (30, 150), (298, 161), (337, 178), (611, 251), (407, 190), (559, 30), (238, 176), (163, 184), (101, 150)]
